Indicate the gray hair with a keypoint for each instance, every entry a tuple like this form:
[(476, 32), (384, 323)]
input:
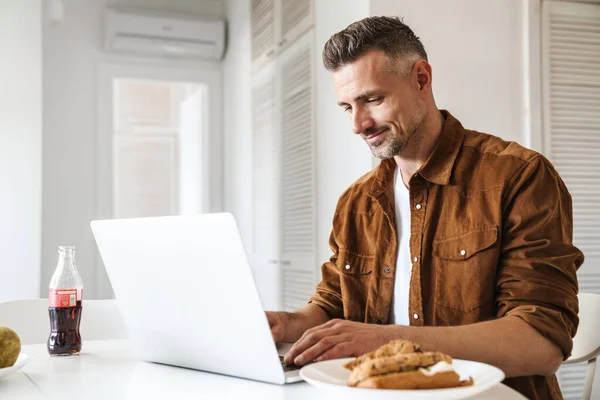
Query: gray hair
[(386, 34)]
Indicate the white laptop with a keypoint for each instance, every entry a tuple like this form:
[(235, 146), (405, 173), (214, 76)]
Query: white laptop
[(188, 297)]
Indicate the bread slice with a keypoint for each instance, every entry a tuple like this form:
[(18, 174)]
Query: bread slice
[(396, 363), (414, 380), (387, 350)]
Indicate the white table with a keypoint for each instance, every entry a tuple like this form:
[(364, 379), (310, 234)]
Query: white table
[(109, 370)]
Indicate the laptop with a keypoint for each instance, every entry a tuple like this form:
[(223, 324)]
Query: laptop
[(188, 297)]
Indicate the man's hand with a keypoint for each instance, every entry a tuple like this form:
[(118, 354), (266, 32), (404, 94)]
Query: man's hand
[(337, 338), (277, 322)]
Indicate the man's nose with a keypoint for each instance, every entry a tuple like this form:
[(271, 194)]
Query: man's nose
[(361, 121)]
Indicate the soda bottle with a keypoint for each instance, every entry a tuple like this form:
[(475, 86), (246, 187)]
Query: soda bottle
[(64, 305)]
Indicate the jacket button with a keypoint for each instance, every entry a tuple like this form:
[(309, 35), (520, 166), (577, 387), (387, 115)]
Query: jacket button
[(463, 252), (347, 266), (378, 321), (418, 206), (416, 316), (415, 259), (387, 269)]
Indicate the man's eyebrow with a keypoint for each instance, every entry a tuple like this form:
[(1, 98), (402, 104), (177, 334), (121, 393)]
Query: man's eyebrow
[(364, 95)]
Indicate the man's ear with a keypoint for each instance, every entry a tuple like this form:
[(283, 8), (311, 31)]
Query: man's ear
[(423, 71)]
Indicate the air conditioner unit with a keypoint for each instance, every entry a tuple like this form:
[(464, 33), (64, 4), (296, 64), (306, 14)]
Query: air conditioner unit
[(164, 35)]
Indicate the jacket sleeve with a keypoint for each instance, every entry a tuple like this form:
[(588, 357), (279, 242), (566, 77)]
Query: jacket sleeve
[(328, 293), (537, 279)]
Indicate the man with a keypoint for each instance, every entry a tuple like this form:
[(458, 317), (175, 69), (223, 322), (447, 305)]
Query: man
[(458, 240)]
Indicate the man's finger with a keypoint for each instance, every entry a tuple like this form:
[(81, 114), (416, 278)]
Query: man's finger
[(317, 328), (306, 341), (319, 348), (340, 350)]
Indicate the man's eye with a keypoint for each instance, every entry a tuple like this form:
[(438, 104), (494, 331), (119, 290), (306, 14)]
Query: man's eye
[(374, 100), (346, 109)]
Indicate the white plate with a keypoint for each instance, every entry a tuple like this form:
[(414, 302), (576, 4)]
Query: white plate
[(332, 375), (21, 361)]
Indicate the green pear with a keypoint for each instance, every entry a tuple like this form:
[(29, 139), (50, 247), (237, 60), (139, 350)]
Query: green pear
[(10, 347)]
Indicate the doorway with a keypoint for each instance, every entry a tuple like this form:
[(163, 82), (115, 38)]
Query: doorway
[(157, 145)]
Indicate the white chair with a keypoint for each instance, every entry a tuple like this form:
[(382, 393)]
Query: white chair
[(100, 320), (586, 343)]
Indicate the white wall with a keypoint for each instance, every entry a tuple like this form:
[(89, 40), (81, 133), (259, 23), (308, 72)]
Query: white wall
[(237, 122), (192, 199), (476, 51), (20, 148), (72, 54)]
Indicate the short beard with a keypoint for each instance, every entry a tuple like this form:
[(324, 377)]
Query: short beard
[(392, 146)]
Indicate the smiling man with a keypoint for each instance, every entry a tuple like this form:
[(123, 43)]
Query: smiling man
[(458, 240)]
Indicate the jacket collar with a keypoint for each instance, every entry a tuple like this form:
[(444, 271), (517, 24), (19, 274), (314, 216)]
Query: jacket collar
[(438, 167)]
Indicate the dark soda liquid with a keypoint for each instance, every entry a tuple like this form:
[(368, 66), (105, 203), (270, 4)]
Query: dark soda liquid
[(64, 337)]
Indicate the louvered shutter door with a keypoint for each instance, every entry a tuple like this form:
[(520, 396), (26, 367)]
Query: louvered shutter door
[(265, 173), (296, 18), (262, 28), (298, 174), (571, 92), (266, 182)]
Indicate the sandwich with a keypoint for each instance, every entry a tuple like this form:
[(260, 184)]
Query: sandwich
[(415, 370)]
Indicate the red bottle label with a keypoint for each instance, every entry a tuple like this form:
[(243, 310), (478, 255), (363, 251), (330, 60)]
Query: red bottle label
[(61, 298)]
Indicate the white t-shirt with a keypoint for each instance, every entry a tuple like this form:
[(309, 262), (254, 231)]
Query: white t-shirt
[(399, 309)]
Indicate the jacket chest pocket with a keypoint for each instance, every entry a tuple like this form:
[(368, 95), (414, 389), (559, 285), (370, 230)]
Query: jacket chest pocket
[(465, 269), (355, 277)]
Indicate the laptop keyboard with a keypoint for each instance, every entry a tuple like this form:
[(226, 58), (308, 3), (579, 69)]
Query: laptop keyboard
[(288, 367)]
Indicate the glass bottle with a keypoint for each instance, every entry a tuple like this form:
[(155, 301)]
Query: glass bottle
[(64, 305)]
